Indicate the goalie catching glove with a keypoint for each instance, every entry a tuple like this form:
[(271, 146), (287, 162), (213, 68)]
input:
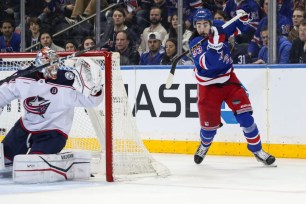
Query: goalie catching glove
[(97, 77)]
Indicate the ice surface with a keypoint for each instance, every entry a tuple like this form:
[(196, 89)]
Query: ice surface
[(219, 179)]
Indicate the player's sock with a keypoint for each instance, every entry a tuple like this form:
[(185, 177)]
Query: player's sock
[(264, 157), (207, 137)]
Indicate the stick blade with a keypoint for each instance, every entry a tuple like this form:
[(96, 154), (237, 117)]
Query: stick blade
[(169, 81)]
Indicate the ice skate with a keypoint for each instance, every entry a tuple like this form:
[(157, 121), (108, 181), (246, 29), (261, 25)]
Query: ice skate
[(265, 158), (200, 154)]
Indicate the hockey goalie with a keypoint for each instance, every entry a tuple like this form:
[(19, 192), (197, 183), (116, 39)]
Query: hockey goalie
[(32, 148)]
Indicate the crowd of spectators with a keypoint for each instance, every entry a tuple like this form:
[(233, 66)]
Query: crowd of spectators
[(145, 31)]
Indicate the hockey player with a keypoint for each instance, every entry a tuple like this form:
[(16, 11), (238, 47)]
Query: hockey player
[(49, 100), (217, 82)]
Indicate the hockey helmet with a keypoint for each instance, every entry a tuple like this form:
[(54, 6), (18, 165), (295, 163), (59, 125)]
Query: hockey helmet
[(202, 14)]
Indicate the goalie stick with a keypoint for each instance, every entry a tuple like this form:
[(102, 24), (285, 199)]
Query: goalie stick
[(32, 68), (178, 58)]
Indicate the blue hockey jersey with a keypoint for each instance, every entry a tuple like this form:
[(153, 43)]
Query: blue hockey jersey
[(211, 66)]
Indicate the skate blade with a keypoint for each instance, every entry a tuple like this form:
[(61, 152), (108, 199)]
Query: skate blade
[(271, 165)]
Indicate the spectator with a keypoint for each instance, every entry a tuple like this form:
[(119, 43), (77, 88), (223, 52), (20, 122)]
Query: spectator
[(173, 32), (298, 3), (84, 8), (297, 17), (163, 7), (156, 51), (115, 25), (46, 40), (9, 41), (137, 13), (32, 35), (88, 42), (283, 27), (142, 13), (191, 7), (284, 47), (128, 55), (298, 50), (155, 19), (70, 46), (171, 51), (220, 15), (286, 7)]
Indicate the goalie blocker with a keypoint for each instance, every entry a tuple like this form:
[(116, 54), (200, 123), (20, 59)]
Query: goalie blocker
[(47, 168)]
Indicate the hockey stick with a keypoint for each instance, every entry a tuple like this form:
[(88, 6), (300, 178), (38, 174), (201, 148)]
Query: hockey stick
[(178, 58), (32, 68)]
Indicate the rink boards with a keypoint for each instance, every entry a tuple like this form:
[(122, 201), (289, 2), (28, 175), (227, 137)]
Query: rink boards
[(168, 122)]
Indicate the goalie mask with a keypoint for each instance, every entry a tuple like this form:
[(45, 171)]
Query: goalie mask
[(46, 55)]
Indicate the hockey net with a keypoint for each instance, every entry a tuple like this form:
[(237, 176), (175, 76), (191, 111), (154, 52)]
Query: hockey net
[(108, 131)]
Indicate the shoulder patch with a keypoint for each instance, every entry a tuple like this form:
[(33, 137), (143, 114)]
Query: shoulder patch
[(69, 75)]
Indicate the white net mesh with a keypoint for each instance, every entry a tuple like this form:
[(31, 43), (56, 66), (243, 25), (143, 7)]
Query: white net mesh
[(130, 156)]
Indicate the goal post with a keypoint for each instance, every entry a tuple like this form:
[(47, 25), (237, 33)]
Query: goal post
[(109, 121), (108, 130)]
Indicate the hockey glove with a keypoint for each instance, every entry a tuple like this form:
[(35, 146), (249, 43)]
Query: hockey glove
[(244, 16), (216, 38)]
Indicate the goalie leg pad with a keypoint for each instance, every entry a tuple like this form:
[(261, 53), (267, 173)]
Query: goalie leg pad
[(51, 167)]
